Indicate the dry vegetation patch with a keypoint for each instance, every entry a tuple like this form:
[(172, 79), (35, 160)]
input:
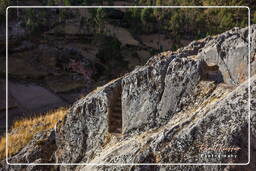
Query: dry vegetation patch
[(23, 130)]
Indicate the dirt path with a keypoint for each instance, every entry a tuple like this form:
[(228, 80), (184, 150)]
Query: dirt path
[(26, 100), (33, 98)]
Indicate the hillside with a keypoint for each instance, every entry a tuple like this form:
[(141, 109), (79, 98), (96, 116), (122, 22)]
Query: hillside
[(180, 107)]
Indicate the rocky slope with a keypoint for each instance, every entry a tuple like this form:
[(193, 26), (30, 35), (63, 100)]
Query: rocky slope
[(188, 106)]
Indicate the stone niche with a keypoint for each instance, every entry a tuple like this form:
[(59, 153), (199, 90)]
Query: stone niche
[(212, 72), (115, 112)]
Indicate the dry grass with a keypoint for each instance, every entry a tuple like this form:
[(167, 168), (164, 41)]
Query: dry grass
[(23, 130)]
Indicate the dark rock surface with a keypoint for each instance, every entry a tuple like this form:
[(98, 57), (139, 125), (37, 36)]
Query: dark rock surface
[(38, 150), (180, 107), (88, 120)]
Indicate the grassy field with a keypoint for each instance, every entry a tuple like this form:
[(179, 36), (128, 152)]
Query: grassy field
[(23, 130)]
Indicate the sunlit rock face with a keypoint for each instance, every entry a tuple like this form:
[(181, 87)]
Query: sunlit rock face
[(177, 108)]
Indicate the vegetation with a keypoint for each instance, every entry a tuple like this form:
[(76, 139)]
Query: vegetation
[(3, 5), (178, 22), (188, 23), (99, 19), (110, 54), (23, 131)]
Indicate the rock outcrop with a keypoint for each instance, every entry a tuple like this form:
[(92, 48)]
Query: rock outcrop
[(188, 106), (38, 150), (229, 51)]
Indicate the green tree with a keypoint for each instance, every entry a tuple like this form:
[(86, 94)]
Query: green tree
[(3, 6), (159, 16), (100, 19), (110, 53), (254, 18), (67, 3), (146, 15)]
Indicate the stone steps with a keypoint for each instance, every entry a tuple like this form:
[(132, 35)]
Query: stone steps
[(115, 118)]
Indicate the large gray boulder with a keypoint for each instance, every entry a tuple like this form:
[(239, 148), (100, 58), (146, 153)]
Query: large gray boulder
[(146, 100), (181, 99), (85, 129), (221, 123), (230, 51), (181, 107), (145, 104)]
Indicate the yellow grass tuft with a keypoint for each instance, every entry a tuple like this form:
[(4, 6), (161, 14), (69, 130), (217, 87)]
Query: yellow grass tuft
[(23, 130)]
